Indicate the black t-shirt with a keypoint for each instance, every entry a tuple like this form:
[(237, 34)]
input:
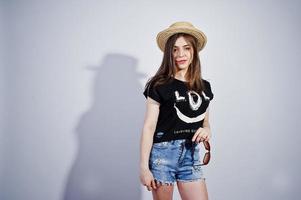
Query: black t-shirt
[(182, 111)]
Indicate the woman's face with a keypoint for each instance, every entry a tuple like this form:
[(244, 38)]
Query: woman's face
[(182, 54)]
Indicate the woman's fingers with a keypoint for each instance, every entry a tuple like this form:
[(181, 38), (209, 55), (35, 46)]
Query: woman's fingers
[(195, 136), (201, 135), (151, 186), (200, 138), (154, 184), (207, 138)]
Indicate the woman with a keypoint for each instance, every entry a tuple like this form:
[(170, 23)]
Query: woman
[(177, 117)]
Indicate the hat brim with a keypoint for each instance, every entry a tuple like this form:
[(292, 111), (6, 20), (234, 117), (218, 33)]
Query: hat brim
[(163, 36)]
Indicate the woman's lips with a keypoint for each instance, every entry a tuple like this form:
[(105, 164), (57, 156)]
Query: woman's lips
[(181, 62)]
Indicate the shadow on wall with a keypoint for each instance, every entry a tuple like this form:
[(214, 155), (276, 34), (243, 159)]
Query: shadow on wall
[(107, 161)]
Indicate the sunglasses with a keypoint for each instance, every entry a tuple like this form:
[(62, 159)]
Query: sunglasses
[(207, 155)]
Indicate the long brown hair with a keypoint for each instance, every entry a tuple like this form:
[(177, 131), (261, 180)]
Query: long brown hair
[(167, 69)]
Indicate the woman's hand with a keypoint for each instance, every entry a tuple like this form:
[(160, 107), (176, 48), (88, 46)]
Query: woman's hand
[(147, 179), (202, 134)]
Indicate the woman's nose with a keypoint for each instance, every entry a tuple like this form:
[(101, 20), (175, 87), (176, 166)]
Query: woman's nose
[(181, 53)]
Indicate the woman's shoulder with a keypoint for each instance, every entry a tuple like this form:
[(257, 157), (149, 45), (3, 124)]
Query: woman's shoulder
[(157, 84), (161, 83), (207, 88), (158, 90), (206, 82)]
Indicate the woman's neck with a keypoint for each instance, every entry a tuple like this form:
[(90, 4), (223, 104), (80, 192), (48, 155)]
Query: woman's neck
[(181, 75)]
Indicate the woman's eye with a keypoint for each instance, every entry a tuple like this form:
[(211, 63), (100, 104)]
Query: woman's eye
[(188, 48)]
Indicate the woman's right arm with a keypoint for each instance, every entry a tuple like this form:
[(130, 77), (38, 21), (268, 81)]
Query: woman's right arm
[(149, 126)]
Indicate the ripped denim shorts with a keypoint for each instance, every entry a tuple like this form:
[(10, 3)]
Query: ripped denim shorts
[(176, 160)]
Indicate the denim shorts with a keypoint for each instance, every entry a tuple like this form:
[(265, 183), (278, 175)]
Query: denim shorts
[(176, 160)]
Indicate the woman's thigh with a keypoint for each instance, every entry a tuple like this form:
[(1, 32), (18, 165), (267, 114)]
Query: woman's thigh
[(194, 190), (163, 192)]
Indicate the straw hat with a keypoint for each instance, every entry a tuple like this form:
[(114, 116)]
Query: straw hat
[(181, 27)]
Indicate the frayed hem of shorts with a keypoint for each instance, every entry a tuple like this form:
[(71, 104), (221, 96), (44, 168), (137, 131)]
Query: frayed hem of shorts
[(192, 180), (164, 182)]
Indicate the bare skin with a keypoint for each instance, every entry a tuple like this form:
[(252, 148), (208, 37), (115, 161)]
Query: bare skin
[(195, 190), (163, 192)]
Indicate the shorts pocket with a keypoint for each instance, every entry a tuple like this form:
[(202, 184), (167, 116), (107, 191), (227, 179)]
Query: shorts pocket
[(161, 145)]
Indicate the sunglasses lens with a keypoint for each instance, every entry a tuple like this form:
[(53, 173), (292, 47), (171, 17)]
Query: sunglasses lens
[(206, 158), (206, 145)]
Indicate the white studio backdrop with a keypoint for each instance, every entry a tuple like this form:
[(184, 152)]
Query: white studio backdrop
[(2, 88), (71, 104)]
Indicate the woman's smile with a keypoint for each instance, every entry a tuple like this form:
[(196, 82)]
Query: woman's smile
[(181, 62)]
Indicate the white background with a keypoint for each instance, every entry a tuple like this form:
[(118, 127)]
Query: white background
[(71, 104)]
